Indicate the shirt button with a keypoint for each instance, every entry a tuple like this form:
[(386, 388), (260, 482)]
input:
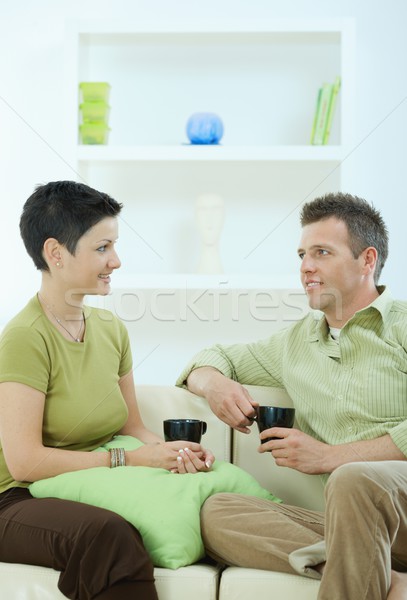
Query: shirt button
[(340, 397)]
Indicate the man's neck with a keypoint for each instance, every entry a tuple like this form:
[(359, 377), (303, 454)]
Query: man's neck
[(341, 317)]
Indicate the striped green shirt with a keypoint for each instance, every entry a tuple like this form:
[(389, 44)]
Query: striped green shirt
[(343, 392)]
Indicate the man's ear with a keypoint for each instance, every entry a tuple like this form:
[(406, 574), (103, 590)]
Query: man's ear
[(370, 259), (52, 252)]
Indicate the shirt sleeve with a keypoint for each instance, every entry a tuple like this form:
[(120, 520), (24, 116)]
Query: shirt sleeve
[(24, 358), (399, 436), (399, 433), (259, 363)]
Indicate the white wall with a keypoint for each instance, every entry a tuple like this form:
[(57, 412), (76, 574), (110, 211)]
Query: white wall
[(32, 118)]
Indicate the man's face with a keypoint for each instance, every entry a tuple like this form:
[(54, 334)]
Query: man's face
[(332, 278)]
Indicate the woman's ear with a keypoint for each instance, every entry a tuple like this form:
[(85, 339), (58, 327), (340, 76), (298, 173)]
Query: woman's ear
[(52, 253)]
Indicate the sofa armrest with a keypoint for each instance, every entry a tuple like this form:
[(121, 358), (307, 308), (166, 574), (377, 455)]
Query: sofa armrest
[(159, 402)]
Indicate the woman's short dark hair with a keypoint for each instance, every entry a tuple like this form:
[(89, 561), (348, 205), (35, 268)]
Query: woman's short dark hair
[(63, 210), (365, 224)]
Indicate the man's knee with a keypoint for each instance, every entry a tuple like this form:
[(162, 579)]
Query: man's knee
[(354, 480), (215, 510)]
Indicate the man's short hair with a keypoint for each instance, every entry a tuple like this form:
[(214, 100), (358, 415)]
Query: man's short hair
[(365, 224)]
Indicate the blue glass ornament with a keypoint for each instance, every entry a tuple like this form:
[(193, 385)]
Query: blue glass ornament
[(204, 128)]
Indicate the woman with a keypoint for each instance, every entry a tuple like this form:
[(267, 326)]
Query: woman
[(66, 387)]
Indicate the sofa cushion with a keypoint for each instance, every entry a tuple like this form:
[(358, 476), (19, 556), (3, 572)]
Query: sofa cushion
[(27, 582), (163, 506), (238, 583)]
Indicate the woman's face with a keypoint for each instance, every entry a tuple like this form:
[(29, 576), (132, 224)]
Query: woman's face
[(95, 259)]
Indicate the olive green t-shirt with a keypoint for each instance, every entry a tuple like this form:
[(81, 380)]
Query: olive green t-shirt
[(84, 406)]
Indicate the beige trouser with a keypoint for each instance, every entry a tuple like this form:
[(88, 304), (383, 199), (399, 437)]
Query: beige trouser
[(361, 537)]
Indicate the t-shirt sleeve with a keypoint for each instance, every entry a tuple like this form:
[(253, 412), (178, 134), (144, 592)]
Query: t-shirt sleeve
[(24, 358), (126, 361)]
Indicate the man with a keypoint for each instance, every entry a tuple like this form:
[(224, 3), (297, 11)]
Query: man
[(345, 367)]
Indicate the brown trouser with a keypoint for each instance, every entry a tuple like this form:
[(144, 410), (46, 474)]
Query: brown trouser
[(100, 555), (362, 536)]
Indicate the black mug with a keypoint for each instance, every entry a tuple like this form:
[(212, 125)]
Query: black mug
[(274, 416), (189, 430)]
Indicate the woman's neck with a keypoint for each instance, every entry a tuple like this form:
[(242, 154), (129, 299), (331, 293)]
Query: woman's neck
[(62, 307), (65, 304)]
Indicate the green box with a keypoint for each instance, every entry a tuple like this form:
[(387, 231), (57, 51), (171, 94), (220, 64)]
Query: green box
[(95, 111), (95, 91), (94, 133)]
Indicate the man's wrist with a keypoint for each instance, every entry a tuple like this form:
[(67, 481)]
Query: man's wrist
[(200, 379), (330, 459)]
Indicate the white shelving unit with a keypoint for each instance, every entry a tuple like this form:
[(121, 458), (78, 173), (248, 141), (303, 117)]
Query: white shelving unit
[(209, 153), (262, 80)]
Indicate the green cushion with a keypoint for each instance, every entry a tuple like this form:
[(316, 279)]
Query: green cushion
[(163, 506)]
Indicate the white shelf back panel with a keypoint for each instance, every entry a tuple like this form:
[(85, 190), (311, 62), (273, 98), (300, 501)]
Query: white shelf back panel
[(167, 329), (158, 231), (262, 85)]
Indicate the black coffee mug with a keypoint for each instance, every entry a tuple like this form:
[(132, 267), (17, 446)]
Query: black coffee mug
[(274, 416), (189, 430)]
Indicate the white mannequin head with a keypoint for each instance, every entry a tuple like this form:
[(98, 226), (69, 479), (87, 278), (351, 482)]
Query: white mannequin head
[(209, 213)]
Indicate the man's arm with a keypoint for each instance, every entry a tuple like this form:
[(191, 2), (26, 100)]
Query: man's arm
[(297, 450), (382, 448), (214, 373), (229, 400)]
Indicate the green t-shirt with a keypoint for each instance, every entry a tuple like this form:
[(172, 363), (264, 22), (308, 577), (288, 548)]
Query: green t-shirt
[(84, 406)]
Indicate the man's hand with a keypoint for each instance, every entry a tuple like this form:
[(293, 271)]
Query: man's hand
[(302, 452), (229, 400), (296, 450)]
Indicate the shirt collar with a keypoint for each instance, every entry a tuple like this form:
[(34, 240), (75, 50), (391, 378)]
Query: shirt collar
[(382, 304)]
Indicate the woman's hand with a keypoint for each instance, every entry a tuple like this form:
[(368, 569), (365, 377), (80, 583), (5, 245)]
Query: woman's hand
[(178, 457), (194, 462)]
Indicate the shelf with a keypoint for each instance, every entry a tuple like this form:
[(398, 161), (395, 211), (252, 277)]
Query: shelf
[(261, 76), (191, 281), (266, 26), (209, 153)]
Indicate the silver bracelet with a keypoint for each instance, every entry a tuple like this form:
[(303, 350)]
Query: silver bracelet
[(122, 457), (113, 455), (117, 457)]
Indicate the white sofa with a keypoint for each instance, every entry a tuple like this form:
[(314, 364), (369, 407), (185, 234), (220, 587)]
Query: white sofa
[(201, 581)]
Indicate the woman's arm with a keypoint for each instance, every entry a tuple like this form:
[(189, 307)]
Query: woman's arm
[(21, 417)]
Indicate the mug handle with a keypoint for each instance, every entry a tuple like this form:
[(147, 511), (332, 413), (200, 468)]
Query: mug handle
[(204, 427)]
